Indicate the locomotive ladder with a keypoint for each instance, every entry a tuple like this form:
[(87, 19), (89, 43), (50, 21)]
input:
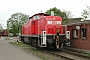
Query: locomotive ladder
[(41, 37)]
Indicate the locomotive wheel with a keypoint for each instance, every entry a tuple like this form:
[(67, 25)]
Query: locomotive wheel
[(47, 45), (50, 46), (34, 42), (29, 40), (23, 40)]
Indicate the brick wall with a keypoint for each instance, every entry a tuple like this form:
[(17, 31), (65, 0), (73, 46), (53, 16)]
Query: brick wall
[(79, 42)]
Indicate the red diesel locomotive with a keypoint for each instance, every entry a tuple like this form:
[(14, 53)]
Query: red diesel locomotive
[(44, 31)]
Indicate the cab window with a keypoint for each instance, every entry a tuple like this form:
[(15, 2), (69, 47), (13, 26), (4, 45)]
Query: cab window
[(38, 16), (35, 17)]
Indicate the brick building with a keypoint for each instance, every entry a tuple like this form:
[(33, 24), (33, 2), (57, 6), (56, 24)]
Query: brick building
[(4, 33), (79, 33)]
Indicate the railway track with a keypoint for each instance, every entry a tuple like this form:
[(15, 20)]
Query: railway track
[(76, 54), (53, 52), (65, 54), (68, 55), (60, 56)]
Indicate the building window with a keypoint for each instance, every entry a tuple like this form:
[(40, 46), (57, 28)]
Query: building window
[(83, 33), (75, 33)]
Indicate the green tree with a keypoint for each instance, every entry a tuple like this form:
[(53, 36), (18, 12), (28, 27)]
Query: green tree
[(57, 12), (86, 13), (15, 22)]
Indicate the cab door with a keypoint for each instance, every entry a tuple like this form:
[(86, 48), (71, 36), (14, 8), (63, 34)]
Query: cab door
[(33, 27)]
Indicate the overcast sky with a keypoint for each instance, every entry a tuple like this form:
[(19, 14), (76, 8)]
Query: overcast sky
[(30, 7)]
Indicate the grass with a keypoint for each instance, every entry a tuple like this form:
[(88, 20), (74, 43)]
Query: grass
[(20, 44), (88, 54), (32, 50), (39, 54)]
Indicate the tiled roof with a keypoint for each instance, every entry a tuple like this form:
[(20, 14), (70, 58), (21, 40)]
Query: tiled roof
[(75, 21)]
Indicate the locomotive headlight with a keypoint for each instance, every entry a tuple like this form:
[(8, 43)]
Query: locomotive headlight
[(44, 34)]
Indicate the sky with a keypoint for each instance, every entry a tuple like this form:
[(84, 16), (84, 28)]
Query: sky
[(30, 7)]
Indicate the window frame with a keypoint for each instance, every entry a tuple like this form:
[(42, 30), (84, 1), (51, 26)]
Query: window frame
[(35, 18), (83, 33), (73, 34)]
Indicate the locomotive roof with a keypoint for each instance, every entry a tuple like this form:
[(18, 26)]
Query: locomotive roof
[(39, 14)]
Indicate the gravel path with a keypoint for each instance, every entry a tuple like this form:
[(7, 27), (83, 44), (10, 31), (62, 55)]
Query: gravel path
[(10, 52)]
